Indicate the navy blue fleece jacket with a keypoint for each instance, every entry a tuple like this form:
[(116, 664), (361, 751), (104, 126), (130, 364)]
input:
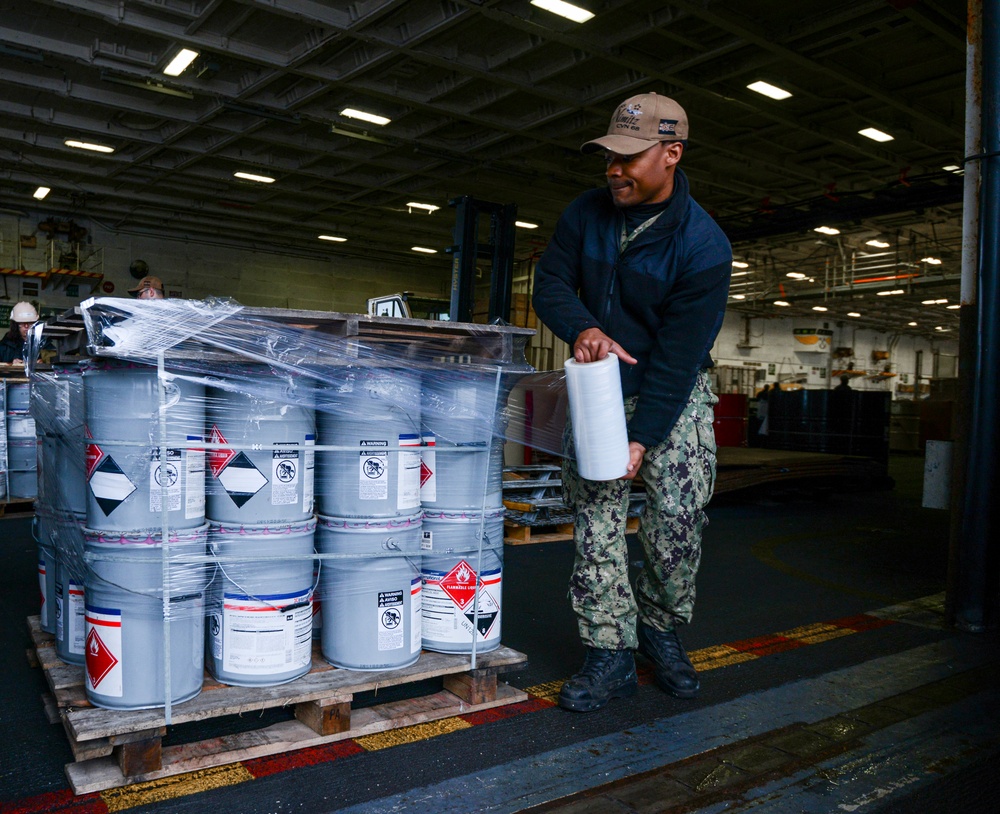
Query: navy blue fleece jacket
[(662, 300)]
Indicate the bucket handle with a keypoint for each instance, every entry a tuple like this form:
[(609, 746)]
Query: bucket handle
[(312, 591)]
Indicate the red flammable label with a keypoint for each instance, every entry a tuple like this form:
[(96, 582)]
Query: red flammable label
[(93, 454), (460, 584), (218, 458)]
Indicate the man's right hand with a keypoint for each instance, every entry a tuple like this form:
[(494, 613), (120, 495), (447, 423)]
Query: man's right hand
[(593, 344)]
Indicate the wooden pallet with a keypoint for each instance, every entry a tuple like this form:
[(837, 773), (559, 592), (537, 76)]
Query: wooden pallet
[(113, 748), (517, 534), (16, 506)]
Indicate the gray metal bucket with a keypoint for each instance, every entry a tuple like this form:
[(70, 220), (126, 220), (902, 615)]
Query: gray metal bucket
[(259, 627), (374, 416), (463, 462), (70, 630), (57, 404), (371, 599), (127, 479), (125, 625), (42, 532), (22, 468), (19, 396), (251, 480), (448, 568)]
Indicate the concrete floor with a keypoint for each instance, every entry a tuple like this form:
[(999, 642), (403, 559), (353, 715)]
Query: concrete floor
[(829, 683)]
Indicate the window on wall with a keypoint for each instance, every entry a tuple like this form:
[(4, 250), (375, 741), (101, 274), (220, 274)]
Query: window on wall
[(29, 289)]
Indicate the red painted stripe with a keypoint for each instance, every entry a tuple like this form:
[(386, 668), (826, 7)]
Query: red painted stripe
[(765, 645), (275, 764), (53, 802), (862, 622), (488, 716)]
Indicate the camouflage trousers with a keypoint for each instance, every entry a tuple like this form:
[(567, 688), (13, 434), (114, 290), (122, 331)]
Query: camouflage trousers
[(679, 476)]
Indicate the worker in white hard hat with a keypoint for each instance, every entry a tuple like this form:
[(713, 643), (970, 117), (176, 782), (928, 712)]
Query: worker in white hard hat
[(22, 317)]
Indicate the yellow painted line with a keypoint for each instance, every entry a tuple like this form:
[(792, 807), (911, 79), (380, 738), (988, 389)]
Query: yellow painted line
[(549, 690), (169, 788), (816, 633), (711, 658), (410, 734)]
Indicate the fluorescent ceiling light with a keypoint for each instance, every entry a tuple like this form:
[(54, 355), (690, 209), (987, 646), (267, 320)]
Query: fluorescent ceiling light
[(954, 307), (374, 118), (739, 264), (428, 207), (769, 90), (796, 275), (940, 328), (931, 261), (180, 62), (853, 314), (827, 230), (889, 293), (934, 302), (739, 296), (86, 145), (526, 224), (40, 193), (820, 308), (333, 238), (878, 244), (912, 324), (781, 302), (567, 10), (953, 168), (422, 249), (875, 135), (249, 176), (739, 274)]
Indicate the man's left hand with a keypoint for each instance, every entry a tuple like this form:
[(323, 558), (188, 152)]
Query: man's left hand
[(635, 453)]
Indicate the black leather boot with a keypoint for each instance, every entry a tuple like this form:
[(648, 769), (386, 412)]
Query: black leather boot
[(605, 674), (673, 670)]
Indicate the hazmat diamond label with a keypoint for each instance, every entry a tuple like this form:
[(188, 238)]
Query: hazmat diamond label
[(110, 485), (93, 454), (103, 650), (489, 610), (460, 584), (241, 479), (219, 458)]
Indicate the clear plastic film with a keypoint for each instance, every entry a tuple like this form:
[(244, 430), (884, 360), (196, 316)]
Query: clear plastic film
[(268, 462)]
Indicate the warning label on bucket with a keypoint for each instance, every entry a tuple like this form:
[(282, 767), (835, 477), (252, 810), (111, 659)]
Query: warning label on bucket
[(263, 635), (104, 651), (110, 485), (165, 480), (309, 475), (194, 497), (70, 616), (285, 465), (390, 620), (408, 485), (445, 623), (373, 474), (428, 466)]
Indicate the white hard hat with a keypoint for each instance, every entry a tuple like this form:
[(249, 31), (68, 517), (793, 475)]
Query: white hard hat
[(24, 312)]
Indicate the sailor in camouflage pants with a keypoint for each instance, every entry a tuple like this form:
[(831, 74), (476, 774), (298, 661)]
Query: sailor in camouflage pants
[(679, 476)]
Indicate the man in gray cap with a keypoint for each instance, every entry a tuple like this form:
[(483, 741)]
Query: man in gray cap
[(641, 271)]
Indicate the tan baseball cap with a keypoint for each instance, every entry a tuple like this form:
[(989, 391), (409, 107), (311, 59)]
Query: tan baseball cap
[(147, 282), (639, 123)]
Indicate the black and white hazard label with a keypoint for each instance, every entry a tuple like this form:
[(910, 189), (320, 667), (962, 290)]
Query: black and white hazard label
[(241, 479), (390, 620), (110, 485)]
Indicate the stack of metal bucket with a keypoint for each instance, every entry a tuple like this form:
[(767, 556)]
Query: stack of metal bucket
[(369, 523), (261, 530), (145, 538), (61, 509), (462, 498), (22, 460)]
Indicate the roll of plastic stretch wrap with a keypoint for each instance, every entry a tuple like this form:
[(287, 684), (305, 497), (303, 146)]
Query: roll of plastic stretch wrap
[(597, 411)]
